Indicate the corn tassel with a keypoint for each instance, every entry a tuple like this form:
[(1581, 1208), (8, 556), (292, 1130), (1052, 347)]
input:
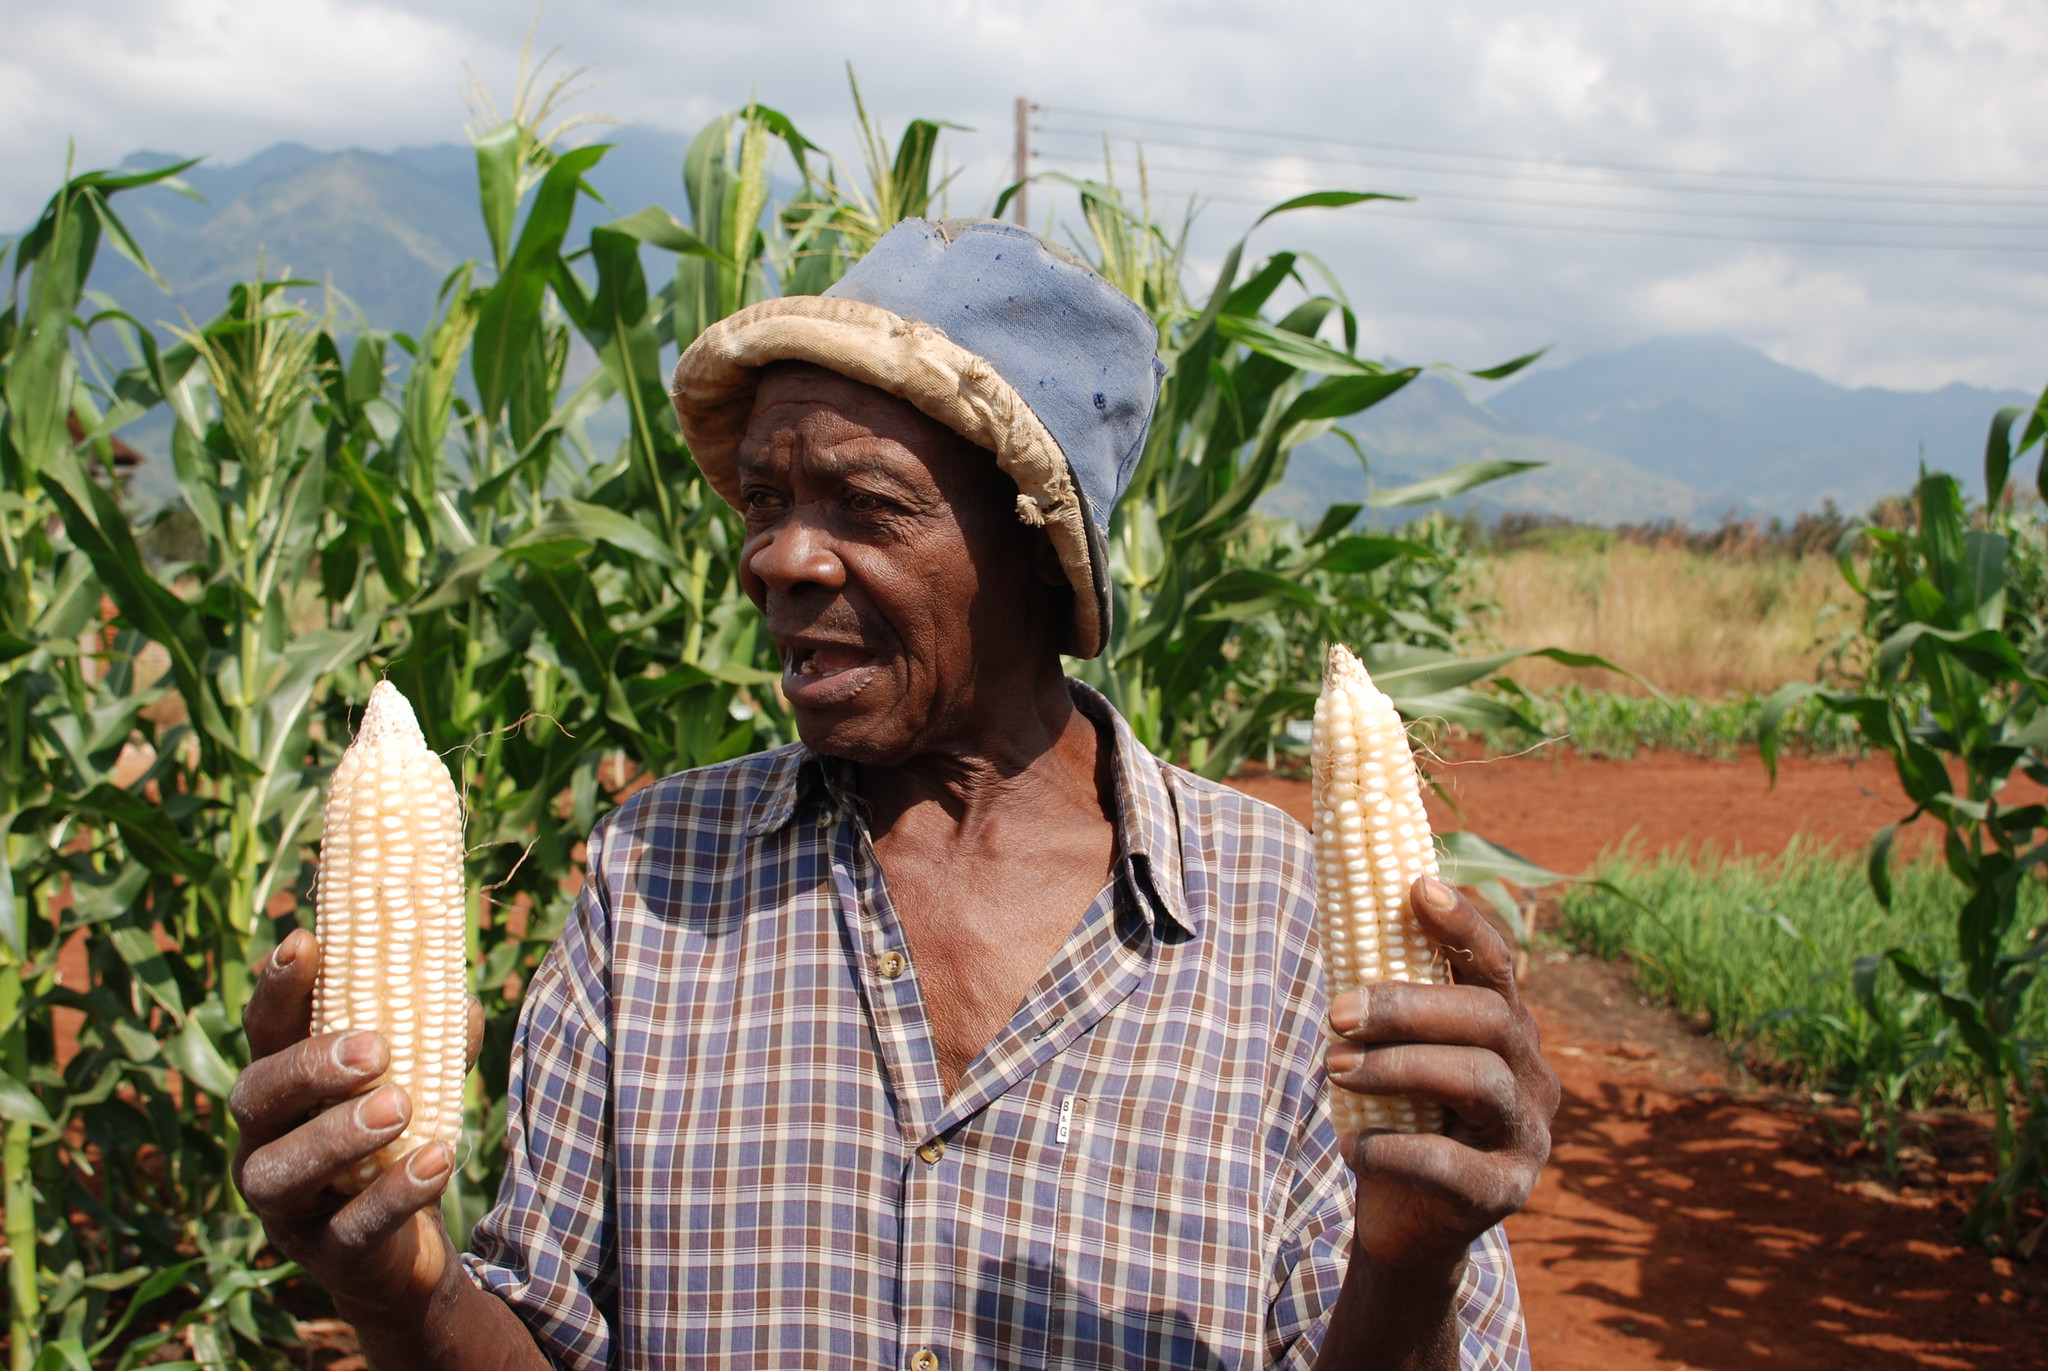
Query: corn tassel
[(1372, 842), (391, 921)]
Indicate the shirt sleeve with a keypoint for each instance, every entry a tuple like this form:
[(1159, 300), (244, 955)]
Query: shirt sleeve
[(1314, 1252), (546, 1248)]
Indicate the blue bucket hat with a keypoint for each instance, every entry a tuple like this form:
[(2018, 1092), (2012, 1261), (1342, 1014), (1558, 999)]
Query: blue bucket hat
[(1009, 340)]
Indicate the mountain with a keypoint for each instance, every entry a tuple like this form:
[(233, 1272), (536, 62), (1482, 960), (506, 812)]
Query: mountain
[(385, 228), (1430, 426), (1737, 427), (1687, 429)]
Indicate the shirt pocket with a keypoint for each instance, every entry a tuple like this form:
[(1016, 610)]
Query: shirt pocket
[(1158, 1256)]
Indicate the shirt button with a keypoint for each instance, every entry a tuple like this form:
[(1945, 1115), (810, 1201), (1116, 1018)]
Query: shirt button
[(890, 964), (931, 1152), (925, 1360)]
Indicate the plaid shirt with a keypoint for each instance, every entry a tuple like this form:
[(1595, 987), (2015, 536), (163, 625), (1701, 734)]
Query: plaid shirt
[(728, 1145)]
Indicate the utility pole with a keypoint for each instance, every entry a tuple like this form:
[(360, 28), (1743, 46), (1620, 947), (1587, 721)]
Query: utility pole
[(1023, 158)]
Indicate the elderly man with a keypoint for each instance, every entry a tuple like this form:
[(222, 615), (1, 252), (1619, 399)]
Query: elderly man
[(964, 1033)]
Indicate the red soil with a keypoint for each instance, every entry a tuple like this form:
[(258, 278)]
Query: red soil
[(1561, 809), (1686, 1218)]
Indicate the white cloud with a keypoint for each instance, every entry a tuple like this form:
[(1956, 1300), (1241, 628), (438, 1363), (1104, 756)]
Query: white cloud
[(1895, 89)]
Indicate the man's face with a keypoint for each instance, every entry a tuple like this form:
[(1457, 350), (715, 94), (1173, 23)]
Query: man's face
[(909, 602)]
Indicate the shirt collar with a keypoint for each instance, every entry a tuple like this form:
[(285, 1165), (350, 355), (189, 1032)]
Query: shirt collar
[(1147, 817)]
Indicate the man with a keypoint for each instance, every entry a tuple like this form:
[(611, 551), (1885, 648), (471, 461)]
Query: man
[(965, 1033)]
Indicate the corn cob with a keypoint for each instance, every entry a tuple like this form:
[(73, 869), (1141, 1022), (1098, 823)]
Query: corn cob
[(1372, 842), (390, 917)]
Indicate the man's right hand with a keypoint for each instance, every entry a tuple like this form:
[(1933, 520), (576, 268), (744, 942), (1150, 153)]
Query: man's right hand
[(303, 1120)]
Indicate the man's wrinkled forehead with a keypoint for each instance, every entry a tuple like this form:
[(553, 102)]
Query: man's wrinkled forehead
[(838, 424)]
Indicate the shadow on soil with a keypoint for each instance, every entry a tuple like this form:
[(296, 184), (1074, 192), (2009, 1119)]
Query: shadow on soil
[(1752, 1241)]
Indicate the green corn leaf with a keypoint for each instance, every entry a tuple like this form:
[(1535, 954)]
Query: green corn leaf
[(508, 328), (497, 175), (1326, 199), (1444, 485), (1998, 452), (1771, 720), (144, 602), (1421, 670), (1461, 706), (193, 1053), (461, 580), (1465, 858), (658, 228), (12, 934), (155, 1285), (1293, 349), (1507, 906), (1878, 867), (1340, 397), (1507, 369), (574, 519), (1985, 651), (1359, 554), (1336, 518), (63, 1354), (19, 1104), (146, 960)]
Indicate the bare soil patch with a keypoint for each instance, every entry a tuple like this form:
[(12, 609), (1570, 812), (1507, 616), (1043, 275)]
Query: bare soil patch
[(1563, 809), (1688, 1220)]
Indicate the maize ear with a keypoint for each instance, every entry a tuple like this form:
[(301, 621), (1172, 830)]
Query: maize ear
[(1372, 842), (389, 913)]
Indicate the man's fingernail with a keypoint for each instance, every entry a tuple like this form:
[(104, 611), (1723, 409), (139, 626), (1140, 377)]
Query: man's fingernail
[(431, 1162), (1343, 1057), (287, 953), (1437, 895), (1347, 1011), (382, 1108), (358, 1052)]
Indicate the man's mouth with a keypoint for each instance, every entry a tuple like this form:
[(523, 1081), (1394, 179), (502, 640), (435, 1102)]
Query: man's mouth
[(825, 673), (829, 660)]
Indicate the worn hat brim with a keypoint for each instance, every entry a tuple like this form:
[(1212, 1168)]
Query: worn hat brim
[(714, 389)]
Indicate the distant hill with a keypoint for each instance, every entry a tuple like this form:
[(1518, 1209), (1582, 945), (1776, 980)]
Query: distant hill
[(386, 228), (1687, 429), (1736, 426), (1430, 426)]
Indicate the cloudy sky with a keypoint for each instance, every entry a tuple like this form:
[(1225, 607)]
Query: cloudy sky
[(1858, 187)]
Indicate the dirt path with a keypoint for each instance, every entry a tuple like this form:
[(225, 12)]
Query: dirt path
[(1685, 1219), (1684, 1222)]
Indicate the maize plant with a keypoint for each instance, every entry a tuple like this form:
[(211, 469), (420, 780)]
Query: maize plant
[(1947, 686), (1218, 609)]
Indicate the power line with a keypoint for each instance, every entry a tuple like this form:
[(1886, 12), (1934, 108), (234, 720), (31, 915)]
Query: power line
[(1799, 178), (1490, 175), (1408, 213), (1660, 210)]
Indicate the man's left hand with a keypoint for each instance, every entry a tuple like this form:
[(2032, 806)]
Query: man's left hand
[(1471, 1047)]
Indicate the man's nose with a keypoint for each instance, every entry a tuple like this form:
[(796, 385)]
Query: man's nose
[(794, 554)]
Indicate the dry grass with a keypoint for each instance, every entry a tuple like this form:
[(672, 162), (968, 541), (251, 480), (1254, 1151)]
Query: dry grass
[(1692, 623)]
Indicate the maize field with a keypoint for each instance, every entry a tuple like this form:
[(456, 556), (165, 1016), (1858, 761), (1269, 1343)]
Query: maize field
[(196, 747)]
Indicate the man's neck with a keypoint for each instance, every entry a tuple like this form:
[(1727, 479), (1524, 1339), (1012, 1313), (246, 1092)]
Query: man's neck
[(1047, 759)]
